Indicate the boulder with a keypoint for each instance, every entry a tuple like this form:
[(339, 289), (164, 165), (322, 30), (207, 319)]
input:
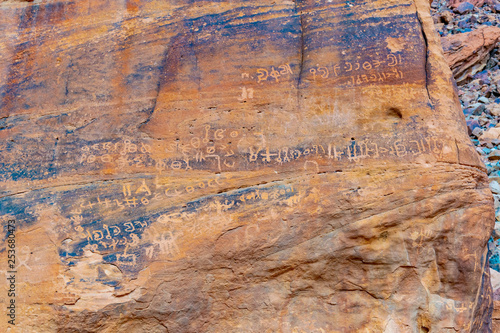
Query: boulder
[(236, 166), (467, 53), (490, 134)]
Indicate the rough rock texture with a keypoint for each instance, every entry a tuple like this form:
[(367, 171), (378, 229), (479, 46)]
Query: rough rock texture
[(243, 166), (479, 93), (467, 53)]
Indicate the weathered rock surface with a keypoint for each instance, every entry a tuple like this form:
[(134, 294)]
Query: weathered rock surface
[(190, 166), (467, 53)]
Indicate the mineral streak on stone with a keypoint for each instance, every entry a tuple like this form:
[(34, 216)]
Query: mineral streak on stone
[(238, 166)]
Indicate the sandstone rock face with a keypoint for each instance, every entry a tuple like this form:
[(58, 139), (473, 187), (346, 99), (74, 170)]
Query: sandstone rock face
[(237, 166)]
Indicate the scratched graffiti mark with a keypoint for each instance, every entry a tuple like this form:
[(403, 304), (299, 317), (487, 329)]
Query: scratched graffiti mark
[(126, 242)]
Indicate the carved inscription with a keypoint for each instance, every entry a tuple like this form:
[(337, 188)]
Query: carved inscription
[(353, 152), (142, 194), (161, 234), (273, 73), (212, 146), (376, 69), (222, 150)]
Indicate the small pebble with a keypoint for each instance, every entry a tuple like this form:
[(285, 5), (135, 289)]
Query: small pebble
[(477, 132), (478, 109), (494, 155), (473, 125), (483, 99), (468, 111), (465, 7), (446, 17), (463, 24)]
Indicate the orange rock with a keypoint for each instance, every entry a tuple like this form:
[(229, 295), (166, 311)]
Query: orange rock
[(242, 166), (490, 134), (468, 52)]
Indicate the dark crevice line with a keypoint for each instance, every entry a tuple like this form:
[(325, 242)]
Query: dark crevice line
[(161, 71), (426, 63), (302, 51)]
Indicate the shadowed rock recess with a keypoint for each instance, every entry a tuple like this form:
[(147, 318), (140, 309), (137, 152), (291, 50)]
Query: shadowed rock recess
[(237, 166)]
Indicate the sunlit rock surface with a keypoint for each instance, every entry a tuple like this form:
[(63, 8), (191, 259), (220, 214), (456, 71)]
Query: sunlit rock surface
[(237, 166)]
